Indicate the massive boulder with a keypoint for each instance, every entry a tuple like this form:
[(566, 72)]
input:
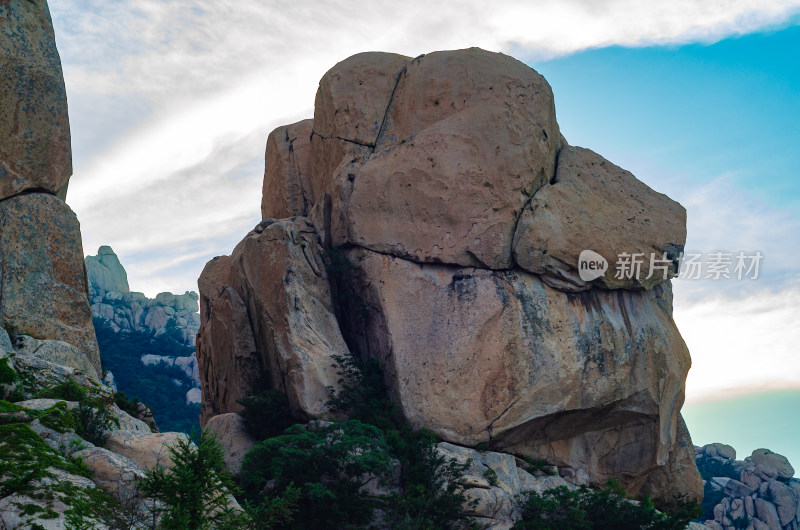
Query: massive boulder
[(454, 215), (591, 380), (226, 350), (43, 283), (35, 149)]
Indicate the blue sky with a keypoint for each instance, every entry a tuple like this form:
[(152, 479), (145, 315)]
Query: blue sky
[(171, 103), (731, 107)]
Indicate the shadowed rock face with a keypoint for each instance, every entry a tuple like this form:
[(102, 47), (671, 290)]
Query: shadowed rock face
[(445, 187)]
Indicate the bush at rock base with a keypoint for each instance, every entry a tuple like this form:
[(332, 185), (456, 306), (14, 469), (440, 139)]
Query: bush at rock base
[(266, 414), (602, 509)]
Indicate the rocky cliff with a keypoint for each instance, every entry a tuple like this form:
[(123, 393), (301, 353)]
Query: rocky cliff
[(43, 290), (431, 217)]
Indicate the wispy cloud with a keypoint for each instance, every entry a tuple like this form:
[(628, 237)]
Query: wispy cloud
[(176, 98)]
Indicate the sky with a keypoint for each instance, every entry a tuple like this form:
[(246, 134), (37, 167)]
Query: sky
[(171, 103)]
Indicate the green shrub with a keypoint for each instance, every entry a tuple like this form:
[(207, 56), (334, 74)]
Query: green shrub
[(537, 465), (740, 523), (266, 414), (432, 497), (58, 418), (8, 376), (92, 420), (323, 468), (330, 464), (600, 509), (713, 467), (131, 406), (363, 395), (68, 390), (195, 490)]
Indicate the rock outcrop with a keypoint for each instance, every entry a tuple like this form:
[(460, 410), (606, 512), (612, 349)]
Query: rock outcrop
[(436, 218), (40, 444), (761, 489), (35, 152), (277, 284), (43, 290)]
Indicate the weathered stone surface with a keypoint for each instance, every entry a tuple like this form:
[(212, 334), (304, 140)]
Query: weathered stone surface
[(785, 500), (66, 443), (146, 450), (495, 481), (44, 291), (469, 136), (116, 474), (226, 351), (779, 462), (594, 205), (35, 149), (735, 488), (354, 95), (233, 437), (287, 191), (679, 477), (56, 351), (349, 110), (279, 273), (592, 381), (766, 512)]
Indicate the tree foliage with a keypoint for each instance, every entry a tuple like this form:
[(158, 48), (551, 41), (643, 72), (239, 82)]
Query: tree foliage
[(598, 509), (196, 492), (155, 384)]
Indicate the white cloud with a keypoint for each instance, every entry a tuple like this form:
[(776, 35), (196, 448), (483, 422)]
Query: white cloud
[(741, 345)]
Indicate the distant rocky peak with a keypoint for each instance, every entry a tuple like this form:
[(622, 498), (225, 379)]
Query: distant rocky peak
[(106, 273), (123, 309)]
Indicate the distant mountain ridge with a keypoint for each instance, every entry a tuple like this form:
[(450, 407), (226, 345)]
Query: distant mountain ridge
[(147, 345), (112, 299)]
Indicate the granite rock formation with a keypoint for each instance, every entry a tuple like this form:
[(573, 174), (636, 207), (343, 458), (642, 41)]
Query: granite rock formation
[(760, 489), (433, 217), (43, 290)]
